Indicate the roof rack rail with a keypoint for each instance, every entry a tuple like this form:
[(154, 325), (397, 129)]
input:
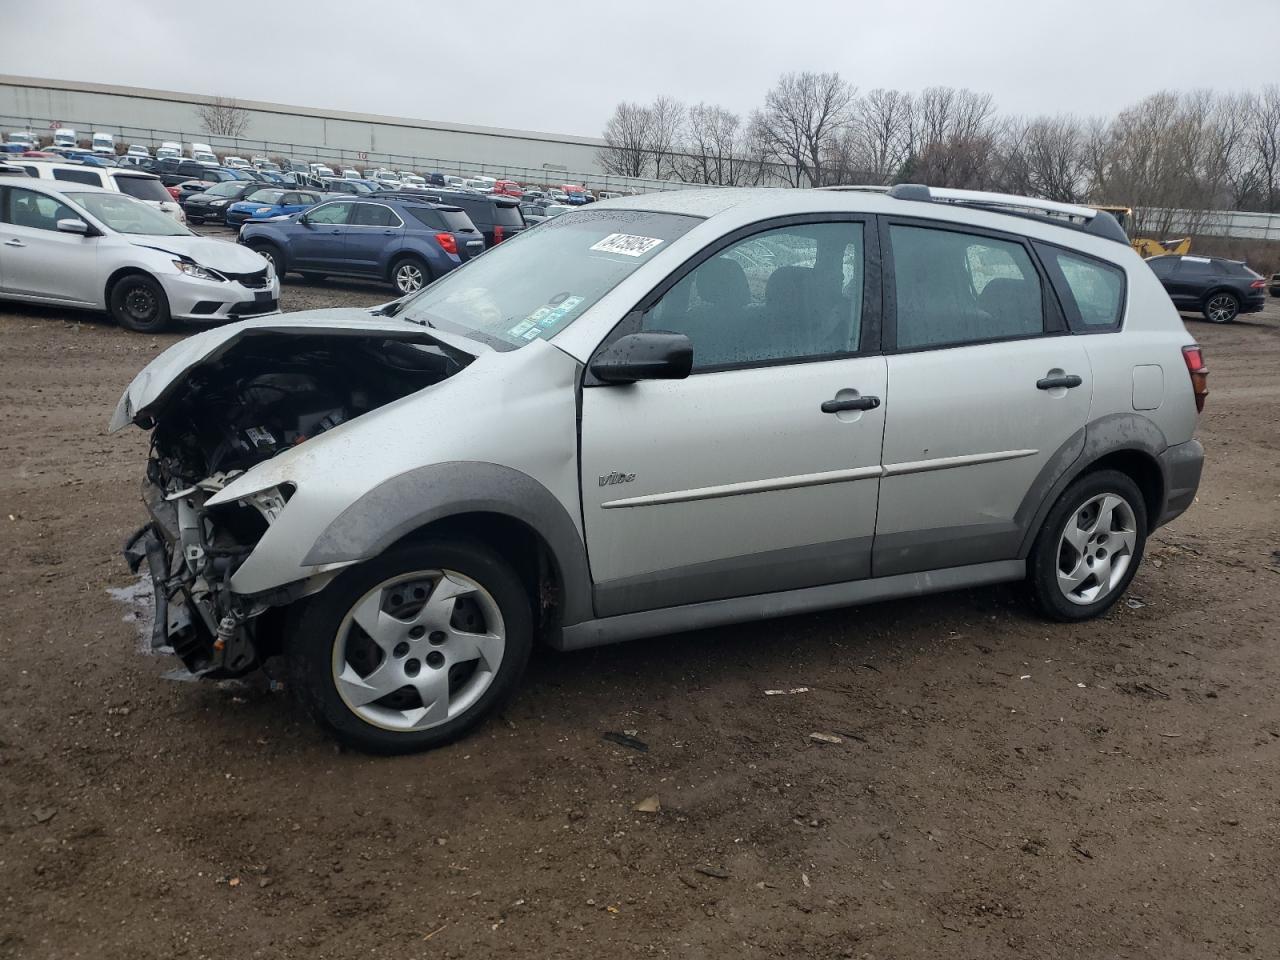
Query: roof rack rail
[(858, 188), (1096, 222)]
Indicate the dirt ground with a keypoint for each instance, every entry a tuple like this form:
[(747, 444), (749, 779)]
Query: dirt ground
[(1005, 787)]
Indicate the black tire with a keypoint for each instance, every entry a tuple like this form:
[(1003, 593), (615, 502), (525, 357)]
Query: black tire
[(314, 277), (272, 253), (310, 645), (1221, 306), (196, 220), (424, 273), (137, 302), (1047, 553)]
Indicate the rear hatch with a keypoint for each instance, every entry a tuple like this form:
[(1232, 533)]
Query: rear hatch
[(507, 218), (470, 240)]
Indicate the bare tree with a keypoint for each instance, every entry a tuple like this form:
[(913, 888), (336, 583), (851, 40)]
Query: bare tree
[(715, 150), (666, 123), (954, 139), (1265, 138), (882, 132), (222, 117), (1046, 157), (627, 136), (802, 121)]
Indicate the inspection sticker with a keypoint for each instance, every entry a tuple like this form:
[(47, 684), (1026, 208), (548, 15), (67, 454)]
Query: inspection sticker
[(626, 244)]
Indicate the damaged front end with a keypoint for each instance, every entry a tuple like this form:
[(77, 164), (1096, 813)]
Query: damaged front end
[(246, 400)]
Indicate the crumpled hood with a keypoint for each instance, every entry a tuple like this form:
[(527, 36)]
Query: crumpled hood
[(145, 396), (206, 251)]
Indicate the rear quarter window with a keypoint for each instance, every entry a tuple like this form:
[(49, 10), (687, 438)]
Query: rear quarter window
[(429, 218), (89, 177), (1094, 290), (143, 188)]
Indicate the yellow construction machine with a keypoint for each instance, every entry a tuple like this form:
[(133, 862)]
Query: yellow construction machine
[(1146, 246)]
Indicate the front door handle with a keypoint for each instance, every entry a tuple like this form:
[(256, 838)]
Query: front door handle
[(853, 403), (1067, 380), (15, 242)]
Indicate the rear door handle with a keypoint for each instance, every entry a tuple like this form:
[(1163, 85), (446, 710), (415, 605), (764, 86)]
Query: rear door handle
[(15, 242), (853, 403), (1067, 380)]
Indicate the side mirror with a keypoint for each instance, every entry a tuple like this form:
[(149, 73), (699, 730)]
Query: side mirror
[(645, 356), (73, 226)]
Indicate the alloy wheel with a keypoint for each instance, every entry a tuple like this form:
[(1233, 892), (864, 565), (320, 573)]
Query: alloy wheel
[(1096, 548), (1221, 308), (418, 649), (408, 278)]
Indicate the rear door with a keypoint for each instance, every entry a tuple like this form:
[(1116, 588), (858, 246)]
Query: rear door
[(319, 241), (989, 396), (758, 473), (374, 234)]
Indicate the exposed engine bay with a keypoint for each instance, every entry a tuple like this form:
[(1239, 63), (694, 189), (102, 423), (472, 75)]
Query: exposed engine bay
[(266, 394)]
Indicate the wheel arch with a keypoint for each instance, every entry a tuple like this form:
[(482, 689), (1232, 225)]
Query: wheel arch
[(501, 506), (1126, 442), (409, 253), (119, 274)]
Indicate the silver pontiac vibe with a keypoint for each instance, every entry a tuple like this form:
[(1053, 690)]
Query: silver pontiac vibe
[(660, 413)]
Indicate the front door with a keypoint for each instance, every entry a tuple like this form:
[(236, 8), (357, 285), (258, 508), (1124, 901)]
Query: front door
[(321, 241), (759, 472), (990, 397), (39, 262)]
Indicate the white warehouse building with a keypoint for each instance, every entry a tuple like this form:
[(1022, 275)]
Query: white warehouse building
[(139, 115)]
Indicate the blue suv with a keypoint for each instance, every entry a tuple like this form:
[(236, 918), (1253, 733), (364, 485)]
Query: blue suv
[(406, 242)]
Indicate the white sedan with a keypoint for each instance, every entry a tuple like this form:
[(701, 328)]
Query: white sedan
[(72, 245)]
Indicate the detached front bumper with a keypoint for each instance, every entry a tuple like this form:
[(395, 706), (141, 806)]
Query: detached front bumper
[(193, 299)]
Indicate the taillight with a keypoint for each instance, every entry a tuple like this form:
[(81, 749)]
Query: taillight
[(1199, 374), (498, 233), (1258, 284), (174, 192), (447, 242)]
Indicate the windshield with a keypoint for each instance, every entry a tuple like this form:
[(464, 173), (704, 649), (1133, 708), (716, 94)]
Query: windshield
[(265, 196), (538, 283), (228, 188), (127, 215)]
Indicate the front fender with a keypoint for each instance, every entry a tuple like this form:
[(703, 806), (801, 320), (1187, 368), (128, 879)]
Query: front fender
[(411, 500)]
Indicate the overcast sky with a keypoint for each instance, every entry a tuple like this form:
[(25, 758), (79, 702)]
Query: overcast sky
[(561, 65)]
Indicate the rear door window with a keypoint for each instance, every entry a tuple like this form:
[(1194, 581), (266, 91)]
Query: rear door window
[(374, 215), (953, 288)]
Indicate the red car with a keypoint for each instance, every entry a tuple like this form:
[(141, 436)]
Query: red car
[(508, 188)]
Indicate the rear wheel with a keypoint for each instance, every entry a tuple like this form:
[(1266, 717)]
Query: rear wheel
[(1221, 308), (1090, 546), (271, 253), (413, 648), (409, 274), (137, 302)]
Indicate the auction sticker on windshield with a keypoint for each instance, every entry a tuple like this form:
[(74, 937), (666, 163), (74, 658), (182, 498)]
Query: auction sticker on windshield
[(626, 244)]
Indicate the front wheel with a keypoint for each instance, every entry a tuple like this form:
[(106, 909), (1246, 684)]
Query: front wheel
[(412, 649), (1221, 308), (272, 255), (138, 303), (1089, 547)]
